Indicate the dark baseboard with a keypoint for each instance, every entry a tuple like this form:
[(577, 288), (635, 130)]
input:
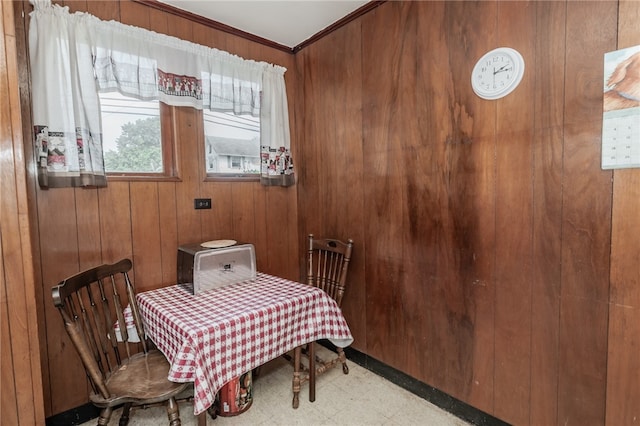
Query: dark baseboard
[(464, 411), (438, 398), (75, 416)]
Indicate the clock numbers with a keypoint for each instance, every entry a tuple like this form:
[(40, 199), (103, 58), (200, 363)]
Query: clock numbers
[(497, 73)]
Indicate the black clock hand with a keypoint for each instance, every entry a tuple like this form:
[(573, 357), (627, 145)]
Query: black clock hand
[(501, 69)]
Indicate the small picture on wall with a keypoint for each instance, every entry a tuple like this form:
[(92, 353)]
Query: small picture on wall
[(621, 109)]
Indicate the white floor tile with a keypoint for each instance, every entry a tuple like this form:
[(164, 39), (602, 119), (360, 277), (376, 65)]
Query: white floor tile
[(358, 398)]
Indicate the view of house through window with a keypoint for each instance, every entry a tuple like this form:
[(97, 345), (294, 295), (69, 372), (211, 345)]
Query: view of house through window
[(131, 134), (232, 143)]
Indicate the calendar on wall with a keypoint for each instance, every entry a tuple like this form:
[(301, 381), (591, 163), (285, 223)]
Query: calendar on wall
[(621, 109)]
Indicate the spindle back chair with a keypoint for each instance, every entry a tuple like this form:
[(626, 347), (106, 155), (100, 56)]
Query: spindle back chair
[(100, 314)]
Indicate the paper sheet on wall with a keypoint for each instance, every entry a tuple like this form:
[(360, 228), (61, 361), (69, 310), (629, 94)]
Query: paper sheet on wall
[(621, 109)]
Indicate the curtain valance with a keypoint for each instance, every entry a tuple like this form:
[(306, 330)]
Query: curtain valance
[(75, 56)]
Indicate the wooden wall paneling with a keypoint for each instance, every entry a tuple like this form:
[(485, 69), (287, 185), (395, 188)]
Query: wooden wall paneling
[(623, 388), (189, 188), (115, 222), (280, 221), (513, 315), (446, 183), (314, 168), (20, 274), (59, 259), (329, 75), (243, 223), (158, 20), (168, 232), (514, 223), (308, 168), (21, 20), (582, 361), (348, 180), (21, 400), (207, 36), (8, 398), (625, 250), (261, 241), (548, 71), (218, 222), (585, 236), (623, 364), (411, 294), (73, 5), (386, 64), (106, 10), (88, 225), (134, 13), (146, 235)]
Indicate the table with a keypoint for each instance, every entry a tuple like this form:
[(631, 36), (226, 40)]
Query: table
[(215, 336)]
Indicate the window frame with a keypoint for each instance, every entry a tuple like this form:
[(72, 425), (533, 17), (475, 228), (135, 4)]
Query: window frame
[(168, 139), (224, 176)]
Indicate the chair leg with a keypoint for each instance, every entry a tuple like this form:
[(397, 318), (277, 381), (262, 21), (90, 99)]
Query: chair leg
[(343, 360), (296, 377), (312, 371), (105, 416), (173, 412), (124, 417)]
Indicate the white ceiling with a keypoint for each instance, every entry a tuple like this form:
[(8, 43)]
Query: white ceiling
[(288, 23)]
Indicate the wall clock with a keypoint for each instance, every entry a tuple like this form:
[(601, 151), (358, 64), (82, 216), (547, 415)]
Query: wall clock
[(497, 73)]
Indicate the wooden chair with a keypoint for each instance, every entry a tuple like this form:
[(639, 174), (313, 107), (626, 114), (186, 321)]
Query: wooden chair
[(121, 367), (327, 267)]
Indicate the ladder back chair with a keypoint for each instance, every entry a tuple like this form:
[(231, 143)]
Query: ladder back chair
[(122, 367), (327, 266)]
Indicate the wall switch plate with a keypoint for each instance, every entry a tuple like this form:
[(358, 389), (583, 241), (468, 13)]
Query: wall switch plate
[(202, 203)]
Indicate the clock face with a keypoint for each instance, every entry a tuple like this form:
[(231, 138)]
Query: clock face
[(497, 73)]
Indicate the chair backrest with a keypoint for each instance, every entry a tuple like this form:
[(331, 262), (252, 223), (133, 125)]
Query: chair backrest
[(328, 264), (91, 303)]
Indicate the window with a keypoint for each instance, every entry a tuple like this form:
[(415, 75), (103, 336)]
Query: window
[(232, 145), (132, 137)]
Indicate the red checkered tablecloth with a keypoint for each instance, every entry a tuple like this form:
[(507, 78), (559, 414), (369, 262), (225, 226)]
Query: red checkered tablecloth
[(215, 336)]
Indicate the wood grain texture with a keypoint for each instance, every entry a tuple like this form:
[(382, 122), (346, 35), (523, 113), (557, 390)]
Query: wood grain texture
[(514, 211), (147, 221), (386, 62), (480, 215), (548, 72), (493, 258), (624, 331), (21, 399)]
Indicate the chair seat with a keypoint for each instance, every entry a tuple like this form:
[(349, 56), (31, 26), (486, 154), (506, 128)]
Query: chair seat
[(143, 378)]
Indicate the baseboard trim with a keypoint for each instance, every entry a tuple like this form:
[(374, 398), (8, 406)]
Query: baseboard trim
[(74, 416), (435, 396), (460, 409)]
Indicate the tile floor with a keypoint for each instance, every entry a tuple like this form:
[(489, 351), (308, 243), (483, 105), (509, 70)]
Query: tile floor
[(359, 398)]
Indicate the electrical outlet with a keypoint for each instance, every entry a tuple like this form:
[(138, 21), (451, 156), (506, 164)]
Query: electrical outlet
[(202, 203)]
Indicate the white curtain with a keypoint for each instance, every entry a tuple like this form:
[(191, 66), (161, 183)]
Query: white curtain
[(75, 56)]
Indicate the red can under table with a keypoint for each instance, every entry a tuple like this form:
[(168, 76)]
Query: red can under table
[(236, 396)]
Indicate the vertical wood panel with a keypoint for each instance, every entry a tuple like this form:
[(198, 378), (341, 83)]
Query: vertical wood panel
[(115, 222), (547, 210), (145, 235), (457, 195), (382, 37), (88, 223), (147, 221), (168, 232), (243, 226), (586, 217), (514, 211), (20, 376), (623, 387), (189, 224)]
